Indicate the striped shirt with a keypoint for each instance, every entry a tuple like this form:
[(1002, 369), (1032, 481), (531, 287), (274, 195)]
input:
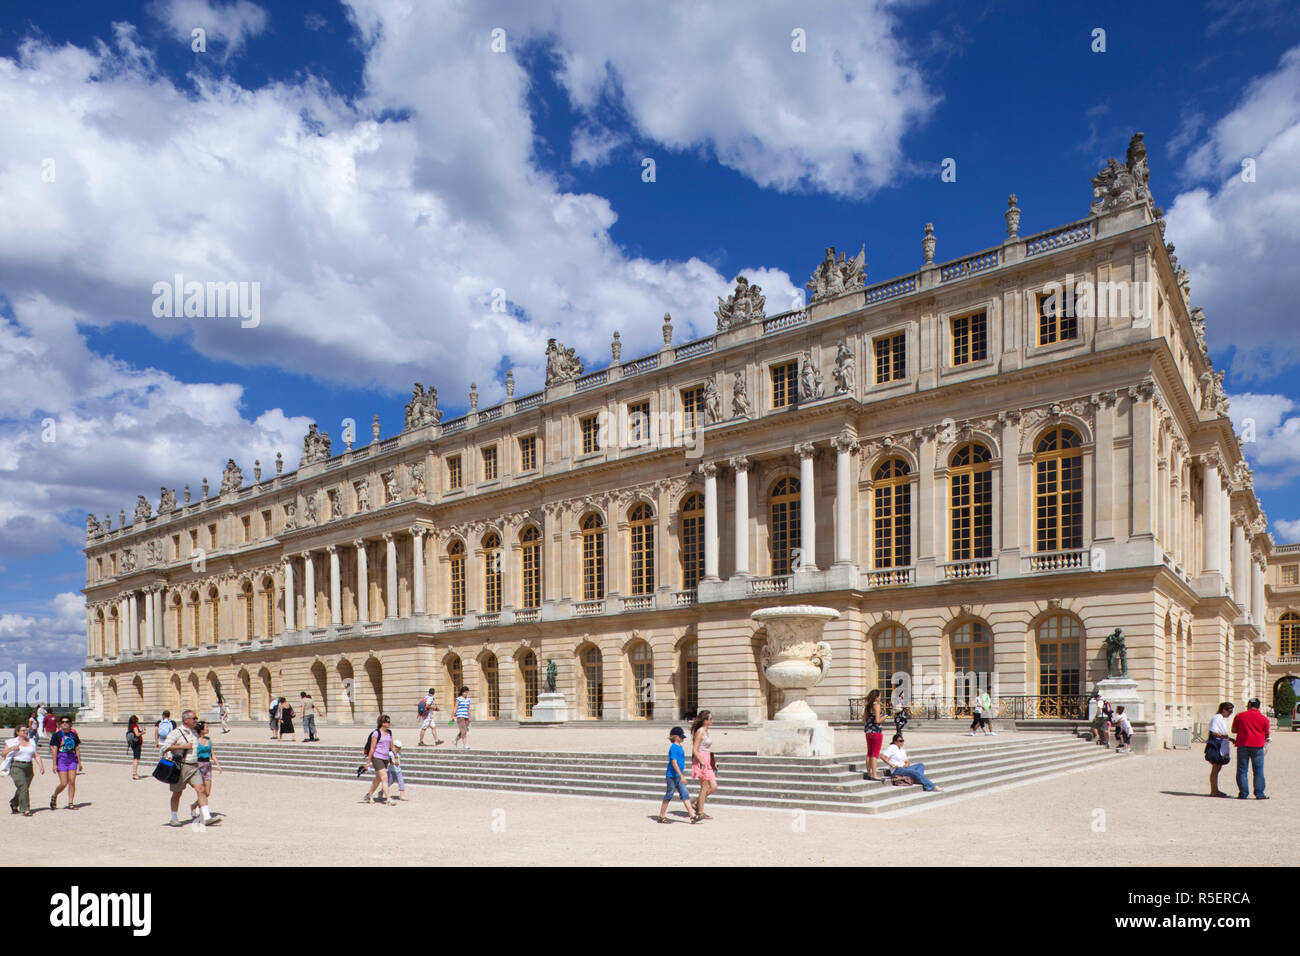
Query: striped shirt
[(462, 707)]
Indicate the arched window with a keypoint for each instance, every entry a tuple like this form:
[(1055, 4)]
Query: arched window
[(1289, 635), (492, 686), (100, 644), (113, 621), (643, 680), (247, 596), (528, 669), (691, 679), (194, 619), (593, 558), (214, 614), (455, 674), (1058, 491), (692, 539), (971, 503), (1059, 672), (784, 537), (531, 566), (892, 497), (641, 548), (971, 660), (893, 656), (491, 573), (456, 577), (593, 679)]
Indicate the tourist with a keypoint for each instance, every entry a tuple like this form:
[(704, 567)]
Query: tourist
[(395, 771), (206, 760), (986, 713), (134, 741), (1101, 723), (1252, 731), (874, 733), (462, 717), (309, 717), (904, 769), (33, 729), (50, 724), (1217, 748), (704, 767), (65, 754), (163, 728), (21, 752), (977, 717), (901, 716), (184, 741), (1123, 731), (41, 714), (426, 709), (286, 720), (675, 776), (223, 712), (378, 752), (274, 711)]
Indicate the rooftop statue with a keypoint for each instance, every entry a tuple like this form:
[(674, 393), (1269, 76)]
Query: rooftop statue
[(422, 409), (315, 446), (743, 306), (562, 365), (232, 479), (142, 510), (836, 275), (1122, 184)]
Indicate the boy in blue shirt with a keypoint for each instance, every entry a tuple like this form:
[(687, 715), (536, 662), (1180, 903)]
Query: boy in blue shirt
[(675, 778)]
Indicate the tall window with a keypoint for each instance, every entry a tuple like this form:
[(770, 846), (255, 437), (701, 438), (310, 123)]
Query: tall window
[(641, 546), (1289, 635), (246, 522), (892, 495), (971, 659), (266, 530), (593, 558), (691, 678), (489, 454), (214, 611), (692, 541), (1058, 491), (891, 358), (590, 435), (491, 573), (643, 673), (785, 384), (455, 674), (528, 453), (454, 478), (531, 566), (593, 675), (528, 669), (893, 656), (785, 525), (492, 686), (248, 611), (456, 559), (1290, 574), (1059, 638), (971, 500), (194, 619), (638, 424), (692, 407), (1057, 321), (268, 608), (970, 338)]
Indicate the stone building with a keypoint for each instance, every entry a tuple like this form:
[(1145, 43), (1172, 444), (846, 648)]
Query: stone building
[(985, 466), (1282, 625)]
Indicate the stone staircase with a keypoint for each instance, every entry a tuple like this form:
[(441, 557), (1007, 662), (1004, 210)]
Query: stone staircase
[(805, 783)]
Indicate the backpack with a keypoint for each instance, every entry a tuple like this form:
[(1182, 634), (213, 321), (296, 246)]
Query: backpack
[(274, 708), (421, 708), (373, 735)]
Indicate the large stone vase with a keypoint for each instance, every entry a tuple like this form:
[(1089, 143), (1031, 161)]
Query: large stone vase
[(795, 659)]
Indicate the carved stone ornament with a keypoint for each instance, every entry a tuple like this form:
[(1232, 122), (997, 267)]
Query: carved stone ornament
[(93, 527), (1198, 329), (616, 349), (417, 478), (142, 510), (363, 495), (1013, 217), (166, 501), (290, 516), (1121, 184), (712, 402), (745, 305), (391, 490), (562, 365), (845, 372), (309, 509), (928, 242), (810, 379), (315, 445), (739, 397), (336, 505), (422, 409), (837, 275), (232, 479)]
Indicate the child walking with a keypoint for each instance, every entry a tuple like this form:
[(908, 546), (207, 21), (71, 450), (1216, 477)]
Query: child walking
[(675, 778), (395, 772)]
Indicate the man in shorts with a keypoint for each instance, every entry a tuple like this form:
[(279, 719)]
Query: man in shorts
[(183, 743), (163, 728), (428, 720)]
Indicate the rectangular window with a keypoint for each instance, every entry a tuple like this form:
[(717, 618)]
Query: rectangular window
[(692, 407), (970, 338), (1291, 574), (528, 453), (176, 547), (638, 424), (212, 536), (453, 473), (891, 358), (785, 384), (1057, 321), (194, 540), (590, 435), (532, 573), (99, 568), (247, 523), (266, 524), (458, 586), (489, 463)]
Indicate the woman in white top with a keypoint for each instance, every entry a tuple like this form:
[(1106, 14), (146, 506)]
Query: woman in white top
[(22, 748), (1218, 734)]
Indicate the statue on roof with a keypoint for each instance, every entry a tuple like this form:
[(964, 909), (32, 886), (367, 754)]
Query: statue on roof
[(422, 409), (315, 446), (562, 364), (143, 512), (838, 274), (743, 306), (1122, 184)]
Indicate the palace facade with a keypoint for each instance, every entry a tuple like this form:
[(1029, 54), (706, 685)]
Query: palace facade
[(986, 466)]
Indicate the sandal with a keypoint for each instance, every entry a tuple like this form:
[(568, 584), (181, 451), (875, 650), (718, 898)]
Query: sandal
[(52, 803), (662, 820)]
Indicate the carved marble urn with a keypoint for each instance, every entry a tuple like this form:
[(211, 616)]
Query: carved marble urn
[(795, 658)]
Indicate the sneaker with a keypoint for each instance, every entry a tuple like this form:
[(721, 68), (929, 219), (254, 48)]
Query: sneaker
[(971, 734), (1261, 798), (212, 821)]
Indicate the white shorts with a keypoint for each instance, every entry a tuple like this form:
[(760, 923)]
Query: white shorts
[(427, 722)]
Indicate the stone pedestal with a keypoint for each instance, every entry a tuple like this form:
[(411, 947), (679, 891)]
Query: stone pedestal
[(549, 709), (795, 659), (796, 738), (1120, 691)]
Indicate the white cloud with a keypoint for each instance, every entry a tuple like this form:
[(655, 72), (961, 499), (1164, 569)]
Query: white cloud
[(233, 24), (1238, 238), (1286, 532), (1274, 453), (54, 640)]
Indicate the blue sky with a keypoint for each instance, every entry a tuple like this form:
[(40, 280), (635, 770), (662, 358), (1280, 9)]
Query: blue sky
[(379, 173)]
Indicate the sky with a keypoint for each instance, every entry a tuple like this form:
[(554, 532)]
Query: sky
[(383, 172)]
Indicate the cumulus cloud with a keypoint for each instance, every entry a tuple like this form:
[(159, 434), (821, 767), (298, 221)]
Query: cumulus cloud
[(52, 640), (231, 24), (1287, 532)]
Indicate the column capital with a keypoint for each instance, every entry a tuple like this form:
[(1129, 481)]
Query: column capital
[(740, 463), (805, 450), (417, 531), (845, 441), (358, 543), (708, 469), (305, 555), (388, 536), (286, 559), (332, 549)]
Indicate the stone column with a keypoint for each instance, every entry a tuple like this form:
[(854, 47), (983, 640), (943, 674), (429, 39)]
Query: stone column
[(807, 509), (845, 445), (710, 473), (363, 583), (1225, 528), (741, 467), (133, 622), (290, 610), (391, 541), (336, 604), (1257, 592), (308, 589), (417, 570), (1240, 565), (1212, 499), (160, 618), (150, 619)]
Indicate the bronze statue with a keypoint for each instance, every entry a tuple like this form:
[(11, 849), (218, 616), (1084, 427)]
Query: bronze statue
[(551, 673), (1115, 646)]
